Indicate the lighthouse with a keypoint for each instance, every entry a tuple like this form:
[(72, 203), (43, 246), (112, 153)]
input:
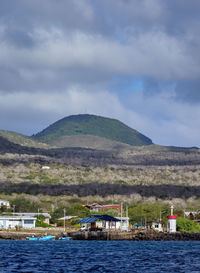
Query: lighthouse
[(171, 226)]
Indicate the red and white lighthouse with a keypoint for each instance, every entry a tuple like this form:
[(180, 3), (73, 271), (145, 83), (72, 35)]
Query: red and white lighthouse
[(171, 226)]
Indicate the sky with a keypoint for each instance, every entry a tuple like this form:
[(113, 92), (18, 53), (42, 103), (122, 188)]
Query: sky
[(134, 60)]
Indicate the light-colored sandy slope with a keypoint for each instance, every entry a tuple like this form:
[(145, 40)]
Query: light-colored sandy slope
[(88, 141)]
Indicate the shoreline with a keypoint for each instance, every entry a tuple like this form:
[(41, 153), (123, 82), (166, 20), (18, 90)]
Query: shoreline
[(106, 236), (131, 236)]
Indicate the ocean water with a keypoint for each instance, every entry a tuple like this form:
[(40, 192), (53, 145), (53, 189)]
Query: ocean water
[(99, 256)]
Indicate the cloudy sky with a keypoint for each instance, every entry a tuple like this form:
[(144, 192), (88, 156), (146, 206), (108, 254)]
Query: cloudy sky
[(134, 60)]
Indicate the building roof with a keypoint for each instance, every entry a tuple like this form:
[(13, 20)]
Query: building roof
[(67, 218), (94, 218), (17, 218), (32, 214), (122, 218), (88, 220)]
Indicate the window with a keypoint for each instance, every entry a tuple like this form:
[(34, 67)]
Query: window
[(28, 222)]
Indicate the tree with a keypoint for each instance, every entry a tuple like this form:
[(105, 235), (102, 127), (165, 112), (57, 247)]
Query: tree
[(186, 225)]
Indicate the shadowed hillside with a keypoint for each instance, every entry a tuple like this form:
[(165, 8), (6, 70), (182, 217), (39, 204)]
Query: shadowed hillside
[(150, 156), (159, 191)]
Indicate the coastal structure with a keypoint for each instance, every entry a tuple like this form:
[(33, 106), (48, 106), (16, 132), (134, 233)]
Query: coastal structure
[(123, 223), (101, 222), (97, 207), (65, 218), (171, 226), (191, 214), (10, 222), (46, 215), (4, 203), (157, 225)]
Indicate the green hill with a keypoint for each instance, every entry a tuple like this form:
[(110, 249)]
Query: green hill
[(22, 140), (92, 125)]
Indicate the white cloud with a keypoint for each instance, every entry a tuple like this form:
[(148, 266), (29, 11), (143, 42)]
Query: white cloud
[(62, 57), (152, 54), (33, 112)]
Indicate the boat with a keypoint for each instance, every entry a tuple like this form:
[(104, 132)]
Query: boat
[(42, 238), (32, 238), (47, 238), (65, 238)]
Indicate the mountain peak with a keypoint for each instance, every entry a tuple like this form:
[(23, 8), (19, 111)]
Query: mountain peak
[(86, 124)]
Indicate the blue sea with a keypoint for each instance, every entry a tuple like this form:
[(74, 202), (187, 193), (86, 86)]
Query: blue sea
[(99, 256)]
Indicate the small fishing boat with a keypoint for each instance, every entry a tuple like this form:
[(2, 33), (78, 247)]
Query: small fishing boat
[(47, 238), (32, 238), (42, 238), (65, 238)]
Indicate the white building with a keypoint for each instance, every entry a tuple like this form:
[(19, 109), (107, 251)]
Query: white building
[(4, 203), (46, 215), (7, 222), (171, 226), (191, 213), (123, 224), (157, 225), (45, 168)]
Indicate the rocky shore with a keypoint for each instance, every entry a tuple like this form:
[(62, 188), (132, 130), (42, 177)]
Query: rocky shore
[(140, 236), (99, 235), (22, 235)]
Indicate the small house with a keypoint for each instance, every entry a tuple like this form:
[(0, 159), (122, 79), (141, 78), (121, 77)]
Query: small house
[(123, 223), (10, 222), (97, 207), (4, 203), (157, 225), (99, 222), (46, 215)]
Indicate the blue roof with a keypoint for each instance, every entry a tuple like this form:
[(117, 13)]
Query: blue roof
[(94, 218), (88, 220)]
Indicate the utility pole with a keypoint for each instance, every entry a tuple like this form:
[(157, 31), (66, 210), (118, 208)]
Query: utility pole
[(127, 217), (121, 215), (64, 219), (13, 209), (38, 211)]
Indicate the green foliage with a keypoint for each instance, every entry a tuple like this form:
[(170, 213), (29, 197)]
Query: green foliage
[(40, 221), (120, 181), (186, 225), (30, 176), (46, 179), (75, 209), (93, 125), (22, 139), (4, 209), (24, 205), (150, 212)]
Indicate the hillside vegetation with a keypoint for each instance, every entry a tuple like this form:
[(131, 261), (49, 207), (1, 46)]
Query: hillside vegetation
[(93, 125), (87, 141), (89, 167), (22, 139)]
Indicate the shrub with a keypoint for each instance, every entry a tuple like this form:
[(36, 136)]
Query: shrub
[(40, 221), (186, 225)]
